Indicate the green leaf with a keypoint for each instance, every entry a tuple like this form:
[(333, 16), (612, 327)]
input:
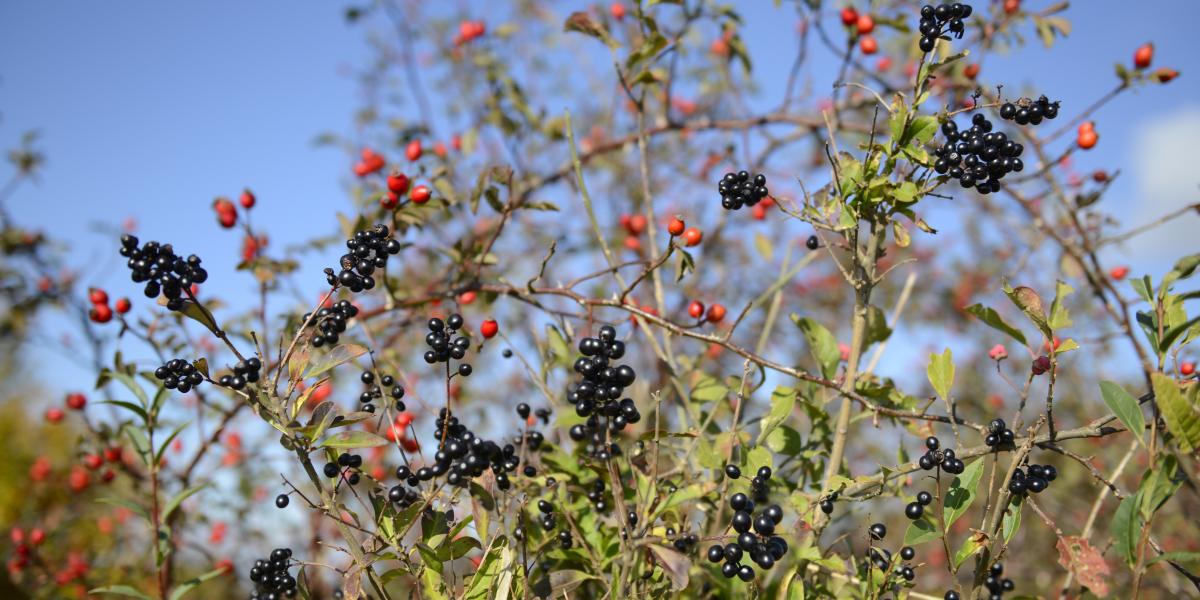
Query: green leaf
[(1190, 558), (1158, 485), (785, 440), (582, 22), (1184, 268), (353, 439), (708, 389), (338, 355), (674, 563), (482, 583), (1012, 518), (1125, 528), (183, 588), (1173, 334), (1144, 287), (941, 373), (193, 311), (1059, 317), (131, 407), (969, 547), (179, 498), (993, 319), (1125, 407), (920, 531), (162, 448), (119, 590), (877, 327), (1179, 413), (1030, 303), (962, 492), (132, 385), (821, 343), (134, 507), (783, 401)]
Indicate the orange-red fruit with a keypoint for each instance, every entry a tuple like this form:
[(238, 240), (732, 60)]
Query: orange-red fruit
[(413, 150), (390, 200), (1087, 139), (696, 309), (849, 16), (1165, 75), (247, 199), (420, 194), (617, 10), (632, 243), (1187, 368), (397, 183), (467, 297), (676, 227), (637, 224), (76, 401), (123, 305), (693, 236), (54, 414), (971, 71), (37, 536), (1119, 273), (100, 313), (97, 296), (93, 461), (868, 45), (1012, 6), (489, 329), (865, 24), (716, 312), (227, 219), (1143, 55)]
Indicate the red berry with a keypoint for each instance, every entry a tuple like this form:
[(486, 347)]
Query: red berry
[(1187, 368), (108, 475), (617, 10), (716, 312), (420, 194), (78, 480), (247, 199), (637, 224), (456, 142), (971, 71), (76, 401), (1119, 273), (123, 305), (1165, 75), (1087, 139), (413, 150), (37, 536), (633, 243), (467, 297), (389, 200), (1012, 6), (17, 535), (868, 45), (489, 329), (693, 236), (93, 461), (404, 418), (97, 296), (54, 414), (398, 182), (112, 454), (849, 16), (1041, 364), (1143, 55), (100, 313), (676, 227), (696, 309), (227, 219), (865, 24)]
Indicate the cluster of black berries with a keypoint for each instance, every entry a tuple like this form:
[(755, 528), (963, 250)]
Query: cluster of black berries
[(541, 413), (374, 391), (161, 270), (934, 457), (462, 456), (739, 189), (271, 578), (882, 557), (179, 374), (999, 434), (937, 22), (1036, 480), (762, 545), (758, 484), (245, 371), (548, 522), (349, 462), (826, 503), (684, 542), (331, 321), (1029, 112), (402, 497), (444, 344), (978, 157), (996, 584), (596, 396), (597, 497), (914, 510), (368, 250)]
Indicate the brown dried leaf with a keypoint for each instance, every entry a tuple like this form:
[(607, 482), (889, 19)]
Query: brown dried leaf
[(1080, 558)]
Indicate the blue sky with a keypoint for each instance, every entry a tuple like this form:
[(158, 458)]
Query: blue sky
[(151, 110)]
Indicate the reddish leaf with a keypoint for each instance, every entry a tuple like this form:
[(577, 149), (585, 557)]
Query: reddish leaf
[(1080, 558)]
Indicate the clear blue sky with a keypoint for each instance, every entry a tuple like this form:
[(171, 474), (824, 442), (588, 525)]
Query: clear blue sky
[(151, 110)]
